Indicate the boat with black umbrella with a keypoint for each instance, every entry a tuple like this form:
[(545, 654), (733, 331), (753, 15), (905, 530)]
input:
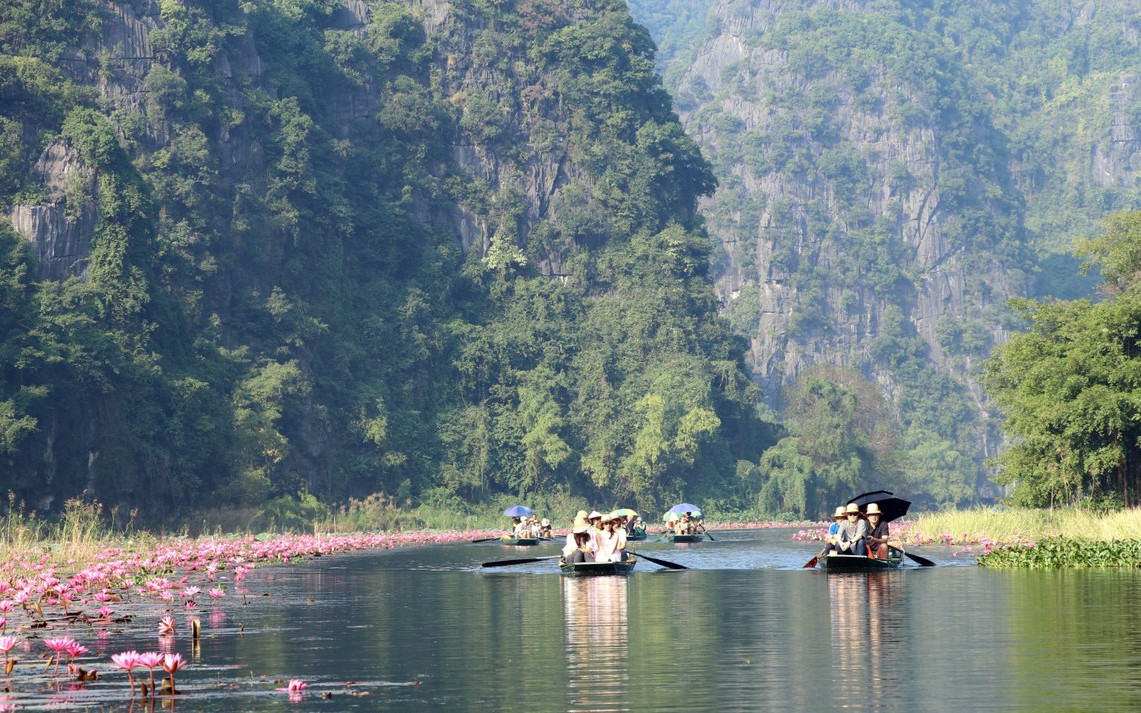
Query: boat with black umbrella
[(889, 508)]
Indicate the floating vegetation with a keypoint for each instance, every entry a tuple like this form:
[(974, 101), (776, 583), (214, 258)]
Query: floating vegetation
[(1064, 552)]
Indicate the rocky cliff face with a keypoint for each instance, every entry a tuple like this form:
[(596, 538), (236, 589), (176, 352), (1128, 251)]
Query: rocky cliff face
[(300, 228), (851, 136)]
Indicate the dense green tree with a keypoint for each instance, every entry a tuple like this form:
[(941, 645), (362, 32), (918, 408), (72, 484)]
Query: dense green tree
[(1069, 387)]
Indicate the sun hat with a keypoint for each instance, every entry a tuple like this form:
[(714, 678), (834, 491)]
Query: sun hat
[(874, 509), (581, 514), (545, 522), (593, 514), (581, 529), (852, 508), (607, 518), (840, 512)]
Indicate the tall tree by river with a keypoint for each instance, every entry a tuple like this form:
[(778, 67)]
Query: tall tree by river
[(1070, 387)]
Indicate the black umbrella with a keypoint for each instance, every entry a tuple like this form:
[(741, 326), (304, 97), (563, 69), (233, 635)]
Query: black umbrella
[(890, 507)]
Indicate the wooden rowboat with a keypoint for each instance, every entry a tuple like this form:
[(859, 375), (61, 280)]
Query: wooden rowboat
[(521, 541), (597, 569), (859, 563), (671, 537), (636, 537)]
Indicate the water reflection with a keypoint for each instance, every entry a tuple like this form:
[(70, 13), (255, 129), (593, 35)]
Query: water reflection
[(598, 641), (865, 643)]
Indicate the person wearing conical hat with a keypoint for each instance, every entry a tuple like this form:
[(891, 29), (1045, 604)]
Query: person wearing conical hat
[(878, 533), (577, 548), (853, 533), (838, 517), (595, 521)]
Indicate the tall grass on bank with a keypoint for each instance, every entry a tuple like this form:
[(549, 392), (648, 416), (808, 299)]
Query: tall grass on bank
[(1012, 525), (80, 532)]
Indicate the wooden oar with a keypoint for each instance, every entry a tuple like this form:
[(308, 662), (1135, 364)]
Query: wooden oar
[(505, 563), (488, 539), (921, 561), (707, 533), (812, 562), (664, 563)]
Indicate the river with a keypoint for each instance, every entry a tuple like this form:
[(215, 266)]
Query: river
[(744, 629)]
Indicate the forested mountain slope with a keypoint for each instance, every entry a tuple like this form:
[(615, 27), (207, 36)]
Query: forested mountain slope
[(892, 172), (440, 250)]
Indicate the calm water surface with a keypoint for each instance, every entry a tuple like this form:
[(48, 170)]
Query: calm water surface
[(745, 629)]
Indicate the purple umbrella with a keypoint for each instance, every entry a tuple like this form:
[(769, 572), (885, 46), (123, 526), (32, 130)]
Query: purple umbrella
[(685, 507), (518, 511)]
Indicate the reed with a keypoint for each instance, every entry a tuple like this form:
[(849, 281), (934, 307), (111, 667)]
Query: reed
[(1011, 525), (79, 534)]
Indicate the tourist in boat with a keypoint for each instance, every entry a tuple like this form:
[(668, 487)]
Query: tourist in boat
[(623, 537), (851, 539), (516, 528), (878, 533), (594, 519), (638, 528), (838, 518), (699, 526), (612, 541), (533, 529), (628, 525), (685, 526), (578, 547), (545, 529)]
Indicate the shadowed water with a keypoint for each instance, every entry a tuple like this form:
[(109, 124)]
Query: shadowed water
[(745, 629)]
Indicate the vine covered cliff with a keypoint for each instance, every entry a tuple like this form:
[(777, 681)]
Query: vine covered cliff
[(440, 250)]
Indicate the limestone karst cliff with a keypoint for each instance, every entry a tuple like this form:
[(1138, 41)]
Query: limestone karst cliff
[(891, 173), (443, 250)]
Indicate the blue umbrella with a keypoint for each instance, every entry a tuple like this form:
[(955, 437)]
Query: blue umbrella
[(685, 507), (518, 511)]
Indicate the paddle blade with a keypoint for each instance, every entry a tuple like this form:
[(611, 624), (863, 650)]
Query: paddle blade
[(663, 563), (811, 563), (527, 560), (921, 561)]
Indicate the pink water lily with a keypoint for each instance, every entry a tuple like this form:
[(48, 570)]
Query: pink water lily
[(166, 626), (149, 660), (7, 643), (60, 646), (170, 664), (294, 689), (127, 661)]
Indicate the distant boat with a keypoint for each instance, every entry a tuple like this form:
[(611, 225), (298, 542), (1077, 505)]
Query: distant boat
[(521, 541), (675, 538)]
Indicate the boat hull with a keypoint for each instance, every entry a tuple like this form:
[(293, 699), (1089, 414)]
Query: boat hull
[(597, 569), (521, 541), (669, 537), (858, 563)]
